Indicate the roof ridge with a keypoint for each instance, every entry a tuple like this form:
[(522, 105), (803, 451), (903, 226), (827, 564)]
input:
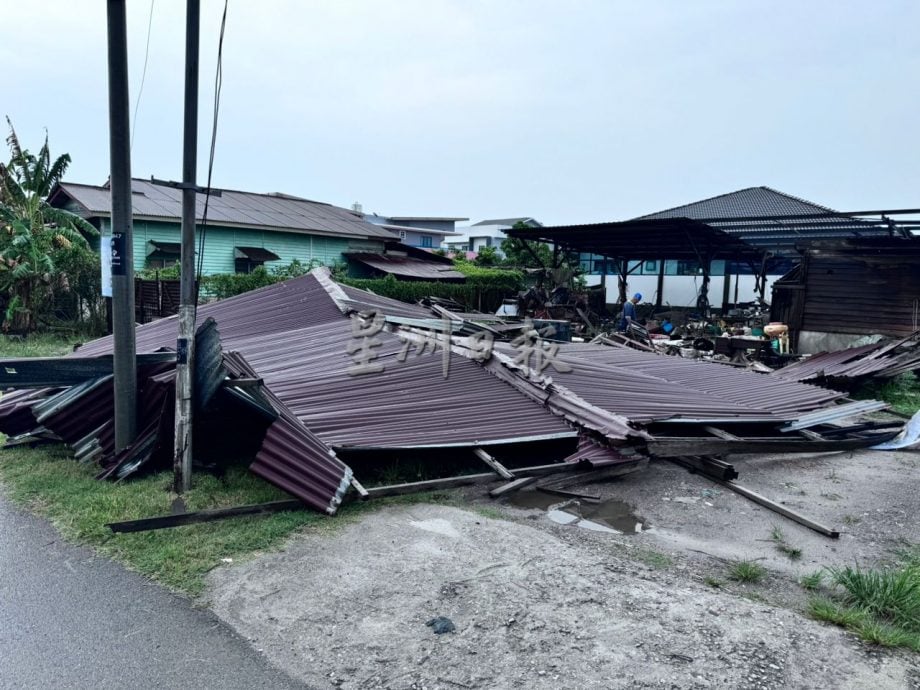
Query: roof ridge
[(699, 201), (805, 201), (772, 190)]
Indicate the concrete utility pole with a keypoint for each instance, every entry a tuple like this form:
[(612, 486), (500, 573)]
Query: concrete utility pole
[(125, 362), (185, 348)]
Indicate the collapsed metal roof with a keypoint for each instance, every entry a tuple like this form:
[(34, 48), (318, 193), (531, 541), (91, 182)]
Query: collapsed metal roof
[(407, 267), (294, 374)]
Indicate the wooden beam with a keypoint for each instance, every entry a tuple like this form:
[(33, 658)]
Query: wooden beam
[(146, 524), (500, 469), (466, 480), (721, 433), (669, 447), (512, 486), (356, 485), (779, 508)]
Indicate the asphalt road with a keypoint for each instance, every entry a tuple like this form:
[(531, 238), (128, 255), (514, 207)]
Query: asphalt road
[(69, 619)]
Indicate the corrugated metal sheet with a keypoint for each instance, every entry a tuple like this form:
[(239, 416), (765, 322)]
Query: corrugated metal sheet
[(295, 336), (279, 212), (407, 267), (882, 360), (292, 457), (644, 387)]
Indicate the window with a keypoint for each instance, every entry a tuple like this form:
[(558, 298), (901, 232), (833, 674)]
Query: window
[(426, 240), (247, 259), (650, 267), (689, 268), (162, 254), (402, 234)]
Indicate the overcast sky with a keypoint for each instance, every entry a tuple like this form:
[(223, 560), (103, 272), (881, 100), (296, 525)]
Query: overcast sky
[(574, 111)]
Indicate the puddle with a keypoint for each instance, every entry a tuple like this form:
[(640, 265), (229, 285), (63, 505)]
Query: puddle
[(618, 515), (535, 499)]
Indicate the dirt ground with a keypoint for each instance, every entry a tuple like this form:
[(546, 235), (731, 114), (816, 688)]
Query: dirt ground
[(537, 604)]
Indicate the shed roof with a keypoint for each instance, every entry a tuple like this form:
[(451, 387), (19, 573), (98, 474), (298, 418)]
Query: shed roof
[(510, 222), (731, 225), (677, 238), (407, 266), (279, 212)]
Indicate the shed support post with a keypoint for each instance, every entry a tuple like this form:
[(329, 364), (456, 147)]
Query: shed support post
[(621, 280), (659, 297)]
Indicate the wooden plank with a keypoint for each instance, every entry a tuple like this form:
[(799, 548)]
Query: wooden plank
[(146, 524), (512, 486), (715, 431), (675, 447), (493, 463), (590, 498), (779, 508), (600, 474), (466, 480), (811, 435), (362, 492), (711, 467)]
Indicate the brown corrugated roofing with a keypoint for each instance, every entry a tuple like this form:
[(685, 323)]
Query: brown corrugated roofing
[(244, 209), (645, 387), (407, 266), (295, 336)]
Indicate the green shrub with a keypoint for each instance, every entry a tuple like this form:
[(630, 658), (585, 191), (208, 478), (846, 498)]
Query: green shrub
[(484, 289)]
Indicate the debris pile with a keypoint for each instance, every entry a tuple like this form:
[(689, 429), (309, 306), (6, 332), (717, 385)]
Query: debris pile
[(307, 377), (883, 360)]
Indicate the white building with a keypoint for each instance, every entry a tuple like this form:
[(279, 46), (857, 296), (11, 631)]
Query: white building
[(485, 233)]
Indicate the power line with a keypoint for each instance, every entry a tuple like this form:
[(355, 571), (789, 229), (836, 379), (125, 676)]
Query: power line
[(137, 105), (218, 84)]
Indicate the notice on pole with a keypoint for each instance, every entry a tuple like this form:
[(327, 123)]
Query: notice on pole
[(118, 254), (105, 260)]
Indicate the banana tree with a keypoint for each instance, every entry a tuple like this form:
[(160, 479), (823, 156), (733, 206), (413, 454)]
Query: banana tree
[(33, 233)]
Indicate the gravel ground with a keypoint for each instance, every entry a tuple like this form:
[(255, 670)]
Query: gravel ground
[(543, 605)]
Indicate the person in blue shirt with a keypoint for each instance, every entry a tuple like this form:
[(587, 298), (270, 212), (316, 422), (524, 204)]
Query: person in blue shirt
[(629, 311)]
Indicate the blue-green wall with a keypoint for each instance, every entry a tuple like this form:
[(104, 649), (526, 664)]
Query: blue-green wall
[(220, 243)]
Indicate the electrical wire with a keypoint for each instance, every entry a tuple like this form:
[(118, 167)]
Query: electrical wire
[(140, 91), (218, 84)]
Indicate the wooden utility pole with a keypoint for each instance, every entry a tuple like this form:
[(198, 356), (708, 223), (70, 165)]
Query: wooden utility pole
[(185, 346), (122, 257)]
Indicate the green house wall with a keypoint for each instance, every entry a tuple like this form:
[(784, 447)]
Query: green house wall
[(221, 241)]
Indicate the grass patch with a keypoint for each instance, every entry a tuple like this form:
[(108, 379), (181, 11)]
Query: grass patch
[(902, 393), (38, 345), (793, 553), (747, 571), (654, 559), (813, 581), (490, 512), (713, 582), (51, 483), (881, 606)]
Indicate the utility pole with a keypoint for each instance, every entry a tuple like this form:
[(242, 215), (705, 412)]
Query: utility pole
[(185, 347), (125, 361)]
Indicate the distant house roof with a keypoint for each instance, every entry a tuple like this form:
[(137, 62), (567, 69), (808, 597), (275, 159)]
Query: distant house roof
[(406, 228), (766, 216), (275, 211), (510, 222), (437, 218)]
